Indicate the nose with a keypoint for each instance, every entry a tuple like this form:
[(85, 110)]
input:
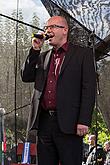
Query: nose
[(49, 30)]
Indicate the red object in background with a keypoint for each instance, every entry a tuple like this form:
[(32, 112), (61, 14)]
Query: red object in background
[(4, 141), (33, 152)]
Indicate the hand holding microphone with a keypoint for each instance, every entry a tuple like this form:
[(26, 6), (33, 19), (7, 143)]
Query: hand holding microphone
[(38, 40)]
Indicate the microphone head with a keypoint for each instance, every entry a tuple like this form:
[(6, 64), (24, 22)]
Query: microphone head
[(40, 36), (48, 35), (44, 36)]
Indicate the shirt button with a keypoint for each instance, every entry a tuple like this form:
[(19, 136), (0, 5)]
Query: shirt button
[(49, 102), (49, 91), (50, 81)]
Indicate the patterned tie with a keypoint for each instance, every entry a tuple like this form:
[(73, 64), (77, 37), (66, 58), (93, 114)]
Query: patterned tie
[(56, 63)]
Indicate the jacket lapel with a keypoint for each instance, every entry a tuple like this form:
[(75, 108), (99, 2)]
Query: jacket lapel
[(68, 55), (47, 59), (46, 64)]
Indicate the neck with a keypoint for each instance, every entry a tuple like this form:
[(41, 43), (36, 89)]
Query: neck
[(61, 43), (56, 47)]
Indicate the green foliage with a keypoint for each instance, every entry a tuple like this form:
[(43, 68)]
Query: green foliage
[(98, 125), (9, 138)]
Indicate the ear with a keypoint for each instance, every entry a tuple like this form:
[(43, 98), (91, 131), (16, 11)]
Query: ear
[(65, 30)]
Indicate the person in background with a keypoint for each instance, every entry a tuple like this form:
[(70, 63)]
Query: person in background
[(91, 141), (107, 151), (64, 95), (85, 152), (96, 154)]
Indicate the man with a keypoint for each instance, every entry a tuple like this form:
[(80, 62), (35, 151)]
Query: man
[(107, 151), (64, 95), (95, 151)]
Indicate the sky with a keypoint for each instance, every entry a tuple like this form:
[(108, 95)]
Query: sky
[(27, 6)]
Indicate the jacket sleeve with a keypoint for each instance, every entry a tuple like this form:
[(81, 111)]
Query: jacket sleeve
[(88, 91), (28, 70)]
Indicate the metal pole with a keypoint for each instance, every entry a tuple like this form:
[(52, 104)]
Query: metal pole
[(0, 137), (2, 111)]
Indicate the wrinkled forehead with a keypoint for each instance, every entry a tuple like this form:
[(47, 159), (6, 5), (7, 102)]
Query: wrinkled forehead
[(56, 20)]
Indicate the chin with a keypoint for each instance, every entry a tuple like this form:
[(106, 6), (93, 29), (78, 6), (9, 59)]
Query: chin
[(51, 43)]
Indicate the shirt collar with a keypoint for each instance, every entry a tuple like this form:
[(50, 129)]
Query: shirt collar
[(64, 48)]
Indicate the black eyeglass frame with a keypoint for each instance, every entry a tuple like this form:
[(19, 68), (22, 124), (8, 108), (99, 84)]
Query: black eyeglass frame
[(53, 26)]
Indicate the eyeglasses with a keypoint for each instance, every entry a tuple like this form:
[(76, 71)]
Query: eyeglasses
[(53, 26)]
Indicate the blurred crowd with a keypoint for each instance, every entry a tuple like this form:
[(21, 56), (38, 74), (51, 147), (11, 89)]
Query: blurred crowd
[(96, 154)]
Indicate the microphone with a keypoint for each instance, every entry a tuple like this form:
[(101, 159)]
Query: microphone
[(44, 36)]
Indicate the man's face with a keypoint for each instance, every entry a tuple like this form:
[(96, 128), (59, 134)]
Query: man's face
[(106, 147), (91, 140), (58, 30)]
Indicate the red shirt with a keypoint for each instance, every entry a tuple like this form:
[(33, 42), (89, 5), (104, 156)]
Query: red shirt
[(49, 97)]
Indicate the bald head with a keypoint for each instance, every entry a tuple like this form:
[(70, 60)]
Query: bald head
[(59, 20)]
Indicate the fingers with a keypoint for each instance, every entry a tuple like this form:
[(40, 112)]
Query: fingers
[(82, 130), (37, 43)]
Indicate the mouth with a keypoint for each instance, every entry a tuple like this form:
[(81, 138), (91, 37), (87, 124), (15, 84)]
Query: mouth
[(50, 40), (51, 35)]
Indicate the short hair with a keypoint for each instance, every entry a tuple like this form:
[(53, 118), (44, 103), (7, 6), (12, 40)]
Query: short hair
[(107, 142)]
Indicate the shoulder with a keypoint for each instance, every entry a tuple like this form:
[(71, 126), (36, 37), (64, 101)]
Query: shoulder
[(71, 45), (80, 50)]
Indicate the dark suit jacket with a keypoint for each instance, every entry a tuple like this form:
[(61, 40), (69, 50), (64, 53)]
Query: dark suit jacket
[(75, 86)]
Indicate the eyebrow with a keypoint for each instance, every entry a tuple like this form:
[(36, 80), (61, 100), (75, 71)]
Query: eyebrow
[(54, 25)]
